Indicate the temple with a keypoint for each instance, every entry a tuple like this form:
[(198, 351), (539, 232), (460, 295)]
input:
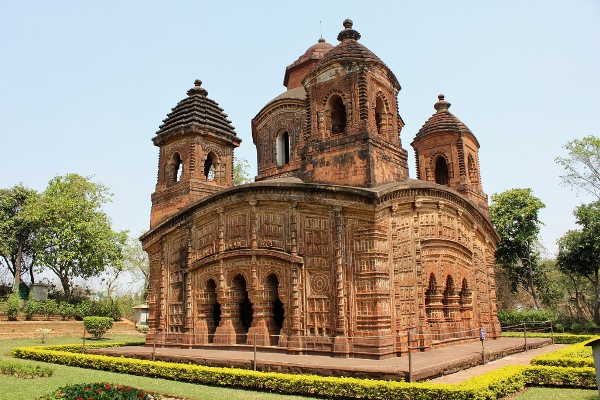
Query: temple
[(333, 249)]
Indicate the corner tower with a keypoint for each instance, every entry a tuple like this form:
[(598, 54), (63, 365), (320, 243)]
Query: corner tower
[(196, 143), (447, 153), (352, 131)]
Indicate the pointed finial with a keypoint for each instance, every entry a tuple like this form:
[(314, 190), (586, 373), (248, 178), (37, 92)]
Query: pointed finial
[(348, 32), (197, 89), (321, 40), (441, 105)]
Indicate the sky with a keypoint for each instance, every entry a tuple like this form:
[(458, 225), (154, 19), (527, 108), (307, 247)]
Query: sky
[(84, 85)]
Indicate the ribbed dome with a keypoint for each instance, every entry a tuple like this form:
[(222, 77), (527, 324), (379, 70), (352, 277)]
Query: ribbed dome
[(350, 51), (303, 63), (198, 109), (314, 52), (443, 120)]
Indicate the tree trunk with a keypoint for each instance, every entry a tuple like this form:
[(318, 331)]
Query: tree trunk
[(18, 268), (597, 299), (532, 287)]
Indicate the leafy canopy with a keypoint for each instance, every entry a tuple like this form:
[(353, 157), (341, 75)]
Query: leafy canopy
[(582, 166), (75, 238)]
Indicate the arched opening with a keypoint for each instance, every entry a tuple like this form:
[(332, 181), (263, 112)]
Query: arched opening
[(210, 166), (441, 171), (472, 169), (272, 295), (214, 308), (283, 148), (240, 297), (379, 113), (175, 168), (338, 114)]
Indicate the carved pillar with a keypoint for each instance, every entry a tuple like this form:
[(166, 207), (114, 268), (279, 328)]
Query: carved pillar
[(262, 315), (225, 332), (162, 292), (294, 226), (341, 339), (422, 328), (253, 224)]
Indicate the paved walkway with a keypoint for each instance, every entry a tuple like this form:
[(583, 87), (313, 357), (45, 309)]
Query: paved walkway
[(439, 362)]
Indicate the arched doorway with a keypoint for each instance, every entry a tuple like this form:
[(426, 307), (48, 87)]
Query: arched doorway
[(213, 315), (277, 311), (244, 315)]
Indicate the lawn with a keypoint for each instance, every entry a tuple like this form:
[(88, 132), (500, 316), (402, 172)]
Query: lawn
[(558, 394), (27, 389)]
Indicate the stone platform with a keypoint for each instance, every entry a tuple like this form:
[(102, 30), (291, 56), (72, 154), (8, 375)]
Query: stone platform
[(425, 365)]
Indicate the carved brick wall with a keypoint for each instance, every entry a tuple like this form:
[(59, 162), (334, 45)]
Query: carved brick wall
[(343, 263)]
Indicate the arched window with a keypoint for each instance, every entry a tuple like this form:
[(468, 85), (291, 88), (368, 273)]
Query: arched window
[(175, 168), (338, 114), (441, 171), (283, 148), (210, 166), (379, 113)]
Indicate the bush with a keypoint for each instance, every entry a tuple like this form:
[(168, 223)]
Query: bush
[(576, 327), (12, 307), (514, 317), (21, 370), (31, 307), (97, 326), (66, 310), (108, 308), (96, 391), (83, 309), (49, 307)]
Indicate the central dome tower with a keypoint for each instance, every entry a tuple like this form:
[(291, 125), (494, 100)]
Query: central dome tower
[(352, 134)]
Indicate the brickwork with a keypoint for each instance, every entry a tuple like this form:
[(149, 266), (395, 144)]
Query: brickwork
[(334, 249)]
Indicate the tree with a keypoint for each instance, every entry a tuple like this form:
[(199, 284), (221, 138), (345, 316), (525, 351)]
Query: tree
[(240, 171), (514, 214), (136, 262), (579, 250), (74, 236), (16, 232), (583, 165)]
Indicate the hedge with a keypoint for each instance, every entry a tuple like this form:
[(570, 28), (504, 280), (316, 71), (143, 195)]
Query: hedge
[(491, 385), (559, 338), (577, 355)]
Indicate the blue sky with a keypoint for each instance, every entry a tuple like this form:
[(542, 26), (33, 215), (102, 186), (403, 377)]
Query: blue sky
[(85, 85)]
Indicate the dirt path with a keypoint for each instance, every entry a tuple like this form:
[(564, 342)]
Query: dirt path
[(29, 329)]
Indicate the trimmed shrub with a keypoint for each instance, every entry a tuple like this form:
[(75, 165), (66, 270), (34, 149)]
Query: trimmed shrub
[(559, 338), (97, 326), (97, 391), (492, 385)]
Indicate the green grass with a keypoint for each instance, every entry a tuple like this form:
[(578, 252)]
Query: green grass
[(27, 389), (558, 394)]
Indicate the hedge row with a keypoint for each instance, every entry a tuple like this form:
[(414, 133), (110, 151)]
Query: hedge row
[(577, 355), (492, 385), (559, 338)]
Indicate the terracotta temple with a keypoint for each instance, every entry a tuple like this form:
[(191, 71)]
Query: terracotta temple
[(333, 249)]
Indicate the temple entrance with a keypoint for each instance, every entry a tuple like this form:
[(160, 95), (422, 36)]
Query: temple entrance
[(276, 306), (244, 308), (214, 309)]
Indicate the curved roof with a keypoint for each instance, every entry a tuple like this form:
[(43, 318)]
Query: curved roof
[(199, 109), (310, 56), (350, 51), (443, 120), (377, 194)]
